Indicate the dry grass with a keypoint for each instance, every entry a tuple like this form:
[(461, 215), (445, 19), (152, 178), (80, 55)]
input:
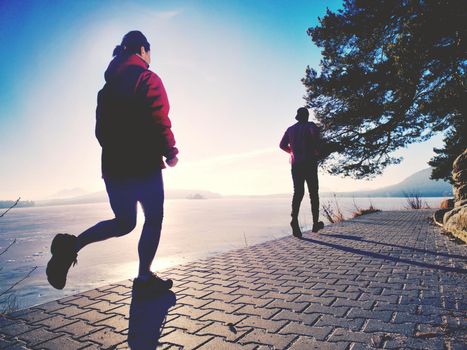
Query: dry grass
[(362, 211), (332, 211), (414, 201)]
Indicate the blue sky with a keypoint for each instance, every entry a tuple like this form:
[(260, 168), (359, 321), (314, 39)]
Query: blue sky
[(232, 70)]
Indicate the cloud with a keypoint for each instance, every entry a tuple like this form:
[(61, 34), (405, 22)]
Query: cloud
[(167, 14), (231, 158)]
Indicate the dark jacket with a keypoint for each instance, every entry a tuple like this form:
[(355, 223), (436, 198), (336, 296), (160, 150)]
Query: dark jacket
[(132, 122), (303, 141)]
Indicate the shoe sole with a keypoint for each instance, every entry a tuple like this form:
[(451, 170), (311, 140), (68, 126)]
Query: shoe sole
[(52, 270)]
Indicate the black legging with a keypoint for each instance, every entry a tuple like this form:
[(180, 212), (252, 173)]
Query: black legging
[(308, 172)]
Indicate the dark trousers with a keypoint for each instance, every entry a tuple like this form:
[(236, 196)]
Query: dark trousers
[(301, 173), (124, 195)]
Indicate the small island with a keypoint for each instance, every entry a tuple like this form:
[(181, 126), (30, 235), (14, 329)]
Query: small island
[(195, 196)]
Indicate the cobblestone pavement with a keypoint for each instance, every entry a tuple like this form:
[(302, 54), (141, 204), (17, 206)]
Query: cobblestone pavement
[(387, 280)]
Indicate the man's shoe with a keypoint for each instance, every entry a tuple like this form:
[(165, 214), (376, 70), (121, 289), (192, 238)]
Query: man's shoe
[(296, 228), (152, 285), (317, 226), (64, 254)]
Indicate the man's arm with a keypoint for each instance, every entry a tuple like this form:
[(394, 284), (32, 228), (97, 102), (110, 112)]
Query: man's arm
[(284, 144)]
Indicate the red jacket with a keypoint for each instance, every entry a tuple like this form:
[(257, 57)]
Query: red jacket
[(132, 122), (303, 141)]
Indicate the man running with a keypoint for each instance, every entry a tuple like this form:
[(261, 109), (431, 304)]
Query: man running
[(303, 142)]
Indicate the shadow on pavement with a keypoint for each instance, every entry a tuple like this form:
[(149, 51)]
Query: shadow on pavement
[(360, 239), (147, 318), (385, 257)]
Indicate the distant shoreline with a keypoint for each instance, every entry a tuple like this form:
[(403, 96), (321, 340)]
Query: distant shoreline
[(60, 202)]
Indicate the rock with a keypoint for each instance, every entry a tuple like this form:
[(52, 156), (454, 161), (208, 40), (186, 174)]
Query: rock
[(459, 175), (438, 216), (455, 220), (447, 204), (460, 192)]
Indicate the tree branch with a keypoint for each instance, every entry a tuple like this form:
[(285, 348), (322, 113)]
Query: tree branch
[(14, 205), (6, 249), (18, 282)]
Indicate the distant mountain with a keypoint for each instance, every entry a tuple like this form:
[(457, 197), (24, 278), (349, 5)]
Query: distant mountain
[(69, 192), (101, 196), (419, 183)]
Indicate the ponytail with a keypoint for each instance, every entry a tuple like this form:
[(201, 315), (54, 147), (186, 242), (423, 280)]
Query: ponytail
[(119, 49)]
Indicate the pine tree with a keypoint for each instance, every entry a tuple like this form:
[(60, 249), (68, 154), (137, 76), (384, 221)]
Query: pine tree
[(392, 73)]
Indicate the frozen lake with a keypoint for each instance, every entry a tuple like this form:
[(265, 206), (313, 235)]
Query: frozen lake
[(192, 229)]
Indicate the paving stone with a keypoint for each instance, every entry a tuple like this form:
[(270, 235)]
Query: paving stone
[(187, 324), (50, 306), (70, 311), (229, 332), (63, 342), (218, 344), (222, 306), (329, 320), (92, 316), (259, 336), (185, 340), (105, 337), (288, 315), (30, 315), (113, 297), (246, 299), (6, 321), (258, 322), (54, 322), (123, 310), (193, 302), (342, 334), (288, 305), (94, 293), (118, 323), (16, 329), (102, 306), (37, 336), (319, 333), (78, 329), (119, 289), (196, 293), (315, 300), (82, 301), (369, 314), (258, 311), (223, 317), (12, 345), (406, 329), (330, 310), (306, 343)]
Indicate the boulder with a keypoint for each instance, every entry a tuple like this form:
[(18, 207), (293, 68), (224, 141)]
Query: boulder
[(455, 220), (459, 176)]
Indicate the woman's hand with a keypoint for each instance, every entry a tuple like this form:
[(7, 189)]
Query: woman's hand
[(172, 161)]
